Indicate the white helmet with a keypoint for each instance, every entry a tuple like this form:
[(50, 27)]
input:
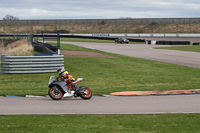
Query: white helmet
[(60, 70)]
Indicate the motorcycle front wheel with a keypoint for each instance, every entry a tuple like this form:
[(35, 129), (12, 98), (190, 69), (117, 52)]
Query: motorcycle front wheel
[(55, 93), (86, 93)]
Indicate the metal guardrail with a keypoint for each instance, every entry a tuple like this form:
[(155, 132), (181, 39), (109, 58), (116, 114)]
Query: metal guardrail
[(46, 49), (30, 64), (11, 36), (122, 35)]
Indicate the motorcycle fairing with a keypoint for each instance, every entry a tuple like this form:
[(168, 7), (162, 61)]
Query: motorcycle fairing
[(62, 85)]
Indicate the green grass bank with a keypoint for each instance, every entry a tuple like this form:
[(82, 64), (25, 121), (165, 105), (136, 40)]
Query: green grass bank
[(191, 48), (157, 123), (107, 75)]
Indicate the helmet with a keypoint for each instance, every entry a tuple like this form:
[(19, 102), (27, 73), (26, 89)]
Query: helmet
[(65, 74), (60, 70)]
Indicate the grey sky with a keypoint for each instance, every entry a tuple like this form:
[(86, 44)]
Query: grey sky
[(99, 9)]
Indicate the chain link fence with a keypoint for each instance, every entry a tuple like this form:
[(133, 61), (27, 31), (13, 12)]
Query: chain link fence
[(150, 25), (102, 21)]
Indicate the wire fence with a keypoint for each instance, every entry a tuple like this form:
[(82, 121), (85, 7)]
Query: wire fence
[(102, 21), (150, 25)]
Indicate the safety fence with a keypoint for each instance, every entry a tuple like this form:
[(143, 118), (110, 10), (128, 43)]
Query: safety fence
[(102, 21), (170, 42), (130, 37), (30, 64), (148, 25), (44, 48), (14, 37), (120, 35)]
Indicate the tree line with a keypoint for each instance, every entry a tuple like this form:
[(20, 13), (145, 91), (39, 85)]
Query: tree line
[(10, 17)]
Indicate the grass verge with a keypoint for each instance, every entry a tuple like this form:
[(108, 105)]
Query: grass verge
[(192, 48), (27, 54), (86, 40), (158, 123), (72, 47), (107, 75)]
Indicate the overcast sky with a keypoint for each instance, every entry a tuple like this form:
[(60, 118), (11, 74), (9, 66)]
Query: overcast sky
[(99, 9)]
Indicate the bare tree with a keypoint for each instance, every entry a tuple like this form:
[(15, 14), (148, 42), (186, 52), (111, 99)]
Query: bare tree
[(10, 17)]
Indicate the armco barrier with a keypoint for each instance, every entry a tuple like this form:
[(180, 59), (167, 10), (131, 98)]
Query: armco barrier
[(173, 42), (30, 64)]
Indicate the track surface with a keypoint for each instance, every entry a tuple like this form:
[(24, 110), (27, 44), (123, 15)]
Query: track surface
[(102, 105), (190, 59)]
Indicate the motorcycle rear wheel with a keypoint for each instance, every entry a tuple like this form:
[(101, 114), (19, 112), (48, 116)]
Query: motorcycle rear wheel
[(55, 93), (87, 94)]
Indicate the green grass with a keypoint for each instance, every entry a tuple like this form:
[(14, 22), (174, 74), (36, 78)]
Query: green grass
[(86, 40), (27, 54), (130, 74), (192, 48), (107, 75), (72, 47), (160, 123)]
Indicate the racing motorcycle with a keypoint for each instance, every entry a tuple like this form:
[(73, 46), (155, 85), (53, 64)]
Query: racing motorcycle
[(59, 89)]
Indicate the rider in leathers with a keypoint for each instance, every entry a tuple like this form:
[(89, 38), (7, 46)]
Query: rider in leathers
[(64, 75)]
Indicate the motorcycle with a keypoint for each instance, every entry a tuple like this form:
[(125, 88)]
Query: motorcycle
[(59, 89)]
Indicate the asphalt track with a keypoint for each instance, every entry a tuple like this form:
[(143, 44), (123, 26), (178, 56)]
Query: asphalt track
[(102, 105), (185, 58)]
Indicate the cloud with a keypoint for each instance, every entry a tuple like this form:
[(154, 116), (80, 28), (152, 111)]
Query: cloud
[(90, 9)]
